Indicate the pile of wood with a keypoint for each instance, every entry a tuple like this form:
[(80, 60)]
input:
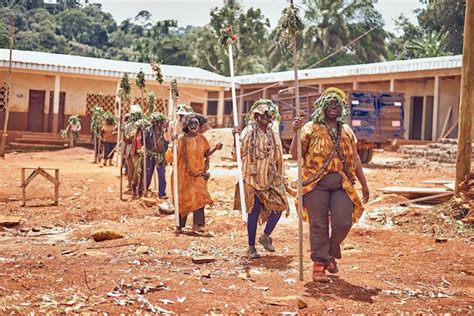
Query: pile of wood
[(444, 151), (463, 203)]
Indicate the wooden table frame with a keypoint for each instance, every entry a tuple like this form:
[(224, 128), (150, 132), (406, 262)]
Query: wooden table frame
[(39, 171)]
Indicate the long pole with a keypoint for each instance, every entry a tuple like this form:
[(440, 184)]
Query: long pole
[(7, 106), (175, 159), (145, 171), (243, 206), (299, 154), (466, 108), (119, 152)]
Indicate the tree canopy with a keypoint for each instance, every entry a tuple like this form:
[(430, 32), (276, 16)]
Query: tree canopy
[(79, 28)]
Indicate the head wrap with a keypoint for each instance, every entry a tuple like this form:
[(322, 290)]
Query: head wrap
[(74, 119), (157, 117), (261, 106), (322, 103), (184, 109)]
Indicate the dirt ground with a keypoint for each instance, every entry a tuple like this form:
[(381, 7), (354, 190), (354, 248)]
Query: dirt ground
[(391, 260)]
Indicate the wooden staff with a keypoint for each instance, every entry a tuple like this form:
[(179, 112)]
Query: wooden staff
[(174, 93), (292, 31), (145, 189), (243, 206), (119, 155)]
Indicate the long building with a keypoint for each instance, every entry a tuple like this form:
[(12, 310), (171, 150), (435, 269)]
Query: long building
[(47, 88)]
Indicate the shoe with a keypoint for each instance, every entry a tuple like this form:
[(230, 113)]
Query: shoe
[(178, 230), (266, 242), (332, 266), (252, 253), (164, 197), (198, 229), (319, 272)]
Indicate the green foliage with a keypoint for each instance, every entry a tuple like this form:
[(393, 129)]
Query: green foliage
[(125, 91), (151, 102), (97, 118), (140, 80)]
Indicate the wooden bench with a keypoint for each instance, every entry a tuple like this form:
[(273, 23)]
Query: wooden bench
[(39, 171)]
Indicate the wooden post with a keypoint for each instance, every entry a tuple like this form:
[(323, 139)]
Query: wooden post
[(23, 188), (466, 106), (243, 206), (299, 157), (56, 187), (9, 83), (119, 143), (145, 189)]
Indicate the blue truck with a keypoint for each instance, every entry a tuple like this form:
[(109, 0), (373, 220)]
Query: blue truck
[(375, 116)]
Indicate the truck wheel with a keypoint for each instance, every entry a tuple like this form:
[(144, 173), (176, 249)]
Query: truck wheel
[(365, 155)]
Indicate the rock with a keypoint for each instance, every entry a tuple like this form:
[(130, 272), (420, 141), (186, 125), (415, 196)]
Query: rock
[(9, 221), (285, 301), (94, 253), (166, 208), (149, 202), (441, 240), (102, 235), (36, 229), (144, 250), (206, 274), (203, 259)]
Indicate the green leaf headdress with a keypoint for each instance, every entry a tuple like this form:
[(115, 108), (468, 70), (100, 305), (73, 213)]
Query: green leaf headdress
[(157, 117), (74, 119), (261, 106), (322, 103)]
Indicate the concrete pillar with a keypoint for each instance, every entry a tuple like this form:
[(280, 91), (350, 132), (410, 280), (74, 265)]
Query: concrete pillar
[(320, 88), (392, 85), (265, 93), (57, 89), (355, 85), (435, 108), (220, 109)]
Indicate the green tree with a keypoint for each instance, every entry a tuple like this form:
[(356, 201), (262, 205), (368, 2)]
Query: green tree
[(251, 48), (331, 24), (444, 17)]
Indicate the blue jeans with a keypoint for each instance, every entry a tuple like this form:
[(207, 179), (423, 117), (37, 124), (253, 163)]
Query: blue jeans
[(252, 222), (160, 168)]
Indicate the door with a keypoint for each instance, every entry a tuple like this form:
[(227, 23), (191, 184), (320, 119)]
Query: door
[(416, 117), (62, 102), (36, 110)]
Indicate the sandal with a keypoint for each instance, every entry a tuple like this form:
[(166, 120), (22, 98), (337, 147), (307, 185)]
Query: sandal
[(319, 272)]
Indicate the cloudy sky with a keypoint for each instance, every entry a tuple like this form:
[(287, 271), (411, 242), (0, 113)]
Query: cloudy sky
[(196, 12)]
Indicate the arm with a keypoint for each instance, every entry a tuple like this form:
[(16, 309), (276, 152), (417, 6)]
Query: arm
[(213, 150), (360, 175), (297, 124)]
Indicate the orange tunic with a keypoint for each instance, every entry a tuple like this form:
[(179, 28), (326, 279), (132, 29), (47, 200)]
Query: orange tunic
[(318, 141), (192, 191)]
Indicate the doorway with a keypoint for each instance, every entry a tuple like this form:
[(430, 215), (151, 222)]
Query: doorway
[(62, 102), (416, 117), (36, 110)]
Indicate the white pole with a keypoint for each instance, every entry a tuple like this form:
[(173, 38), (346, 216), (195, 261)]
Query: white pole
[(237, 139), (175, 159), (119, 151)]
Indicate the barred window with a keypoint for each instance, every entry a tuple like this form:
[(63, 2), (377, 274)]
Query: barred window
[(107, 102), (3, 97)]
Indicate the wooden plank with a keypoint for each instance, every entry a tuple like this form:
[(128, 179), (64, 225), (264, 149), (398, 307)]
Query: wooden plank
[(56, 187), (445, 125), (47, 176), (412, 192), (44, 168), (23, 188), (30, 178), (437, 182), (442, 196)]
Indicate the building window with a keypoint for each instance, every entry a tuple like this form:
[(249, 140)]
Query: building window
[(107, 102), (228, 108), (211, 107), (3, 97)]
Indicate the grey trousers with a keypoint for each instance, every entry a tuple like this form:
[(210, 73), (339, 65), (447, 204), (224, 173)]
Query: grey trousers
[(328, 197), (199, 218)]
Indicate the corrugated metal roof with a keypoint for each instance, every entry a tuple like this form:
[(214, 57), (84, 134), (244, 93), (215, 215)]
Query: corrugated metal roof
[(107, 67), (354, 70)]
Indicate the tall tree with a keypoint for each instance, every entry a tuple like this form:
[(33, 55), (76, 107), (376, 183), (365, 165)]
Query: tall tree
[(331, 24), (251, 28)]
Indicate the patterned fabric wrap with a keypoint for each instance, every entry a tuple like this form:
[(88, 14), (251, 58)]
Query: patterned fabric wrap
[(261, 106)]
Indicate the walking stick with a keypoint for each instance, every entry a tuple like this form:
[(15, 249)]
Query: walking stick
[(174, 93), (298, 146), (119, 156), (145, 171), (243, 206)]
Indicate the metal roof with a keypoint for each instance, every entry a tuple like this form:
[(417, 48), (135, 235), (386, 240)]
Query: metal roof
[(434, 63), (107, 67), (197, 76)]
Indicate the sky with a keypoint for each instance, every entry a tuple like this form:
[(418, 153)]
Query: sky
[(196, 12)]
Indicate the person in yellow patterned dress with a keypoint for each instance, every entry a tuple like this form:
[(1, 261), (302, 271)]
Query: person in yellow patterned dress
[(330, 167)]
